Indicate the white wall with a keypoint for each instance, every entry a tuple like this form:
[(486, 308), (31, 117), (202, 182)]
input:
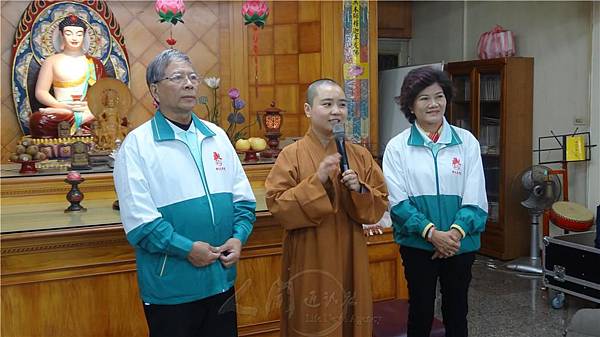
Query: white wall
[(558, 36), (594, 169), (437, 32)]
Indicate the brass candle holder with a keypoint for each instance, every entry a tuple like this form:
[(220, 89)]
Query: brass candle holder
[(74, 196)]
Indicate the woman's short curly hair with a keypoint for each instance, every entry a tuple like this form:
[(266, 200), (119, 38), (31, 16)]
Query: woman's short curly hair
[(417, 80)]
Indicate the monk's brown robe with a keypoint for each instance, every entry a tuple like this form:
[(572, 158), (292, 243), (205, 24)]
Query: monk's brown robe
[(325, 269)]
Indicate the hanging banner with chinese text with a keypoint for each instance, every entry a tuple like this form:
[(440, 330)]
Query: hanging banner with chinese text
[(356, 69)]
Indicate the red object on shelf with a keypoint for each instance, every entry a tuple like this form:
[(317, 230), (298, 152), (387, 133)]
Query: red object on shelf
[(250, 156), (28, 167)]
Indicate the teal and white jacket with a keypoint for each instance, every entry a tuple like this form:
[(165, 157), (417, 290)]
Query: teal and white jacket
[(176, 187), (435, 184)]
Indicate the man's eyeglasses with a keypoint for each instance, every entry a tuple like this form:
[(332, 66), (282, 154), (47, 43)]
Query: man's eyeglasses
[(178, 78)]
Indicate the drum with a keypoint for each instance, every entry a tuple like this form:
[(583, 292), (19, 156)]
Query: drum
[(571, 216)]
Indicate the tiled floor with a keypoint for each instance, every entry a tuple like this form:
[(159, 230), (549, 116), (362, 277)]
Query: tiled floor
[(507, 304)]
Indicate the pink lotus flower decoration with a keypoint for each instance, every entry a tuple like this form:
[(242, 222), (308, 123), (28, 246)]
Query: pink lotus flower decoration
[(255, 12), (170, 10)]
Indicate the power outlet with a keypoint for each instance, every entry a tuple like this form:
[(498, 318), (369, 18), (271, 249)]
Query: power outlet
[(579, 120)]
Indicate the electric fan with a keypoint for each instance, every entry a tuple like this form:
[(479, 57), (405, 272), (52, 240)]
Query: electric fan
[(539, 190)]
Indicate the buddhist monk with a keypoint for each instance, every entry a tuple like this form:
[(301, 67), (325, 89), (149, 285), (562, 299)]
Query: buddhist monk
[(325, 269)]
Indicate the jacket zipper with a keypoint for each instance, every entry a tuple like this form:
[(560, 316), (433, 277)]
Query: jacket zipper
[(206, 191), (162, 269), (202, 177), (205, 183), (437, 183)]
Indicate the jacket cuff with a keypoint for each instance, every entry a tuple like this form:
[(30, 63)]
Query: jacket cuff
[(426, 229), (457, 227), (180, 246), (238, 234)]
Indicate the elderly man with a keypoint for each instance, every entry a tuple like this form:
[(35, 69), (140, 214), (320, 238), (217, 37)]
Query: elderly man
[(187, 208)]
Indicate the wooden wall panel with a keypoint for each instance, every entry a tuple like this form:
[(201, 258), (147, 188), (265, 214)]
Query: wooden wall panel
[(290, 60), (284, 12), (106, 305), (309, 11), (287, 97), (309, 67), (286, 69), (265, 40), (285, 39), (259, 293), (309, 37), (383, 278)]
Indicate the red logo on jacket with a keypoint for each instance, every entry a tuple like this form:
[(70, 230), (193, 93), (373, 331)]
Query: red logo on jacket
[(218, 161), (456, 166)]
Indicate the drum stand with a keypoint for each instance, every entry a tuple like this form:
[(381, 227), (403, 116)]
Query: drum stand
[(533, 263)]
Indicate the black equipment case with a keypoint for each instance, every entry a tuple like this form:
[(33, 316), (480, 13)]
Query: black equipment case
[(572, 265)]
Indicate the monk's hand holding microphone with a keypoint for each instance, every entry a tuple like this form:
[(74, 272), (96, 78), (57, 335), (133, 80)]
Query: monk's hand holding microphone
[(349, 177)]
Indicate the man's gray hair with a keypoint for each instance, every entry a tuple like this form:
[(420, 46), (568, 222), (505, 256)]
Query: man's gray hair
[(156, 69), (311, 93)]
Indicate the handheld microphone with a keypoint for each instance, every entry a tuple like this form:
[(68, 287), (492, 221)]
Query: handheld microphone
[(339, 132)]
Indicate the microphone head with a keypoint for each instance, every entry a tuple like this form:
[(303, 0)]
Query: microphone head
[(339, 131)]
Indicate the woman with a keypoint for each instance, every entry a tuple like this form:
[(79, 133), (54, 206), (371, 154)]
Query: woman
[(438, 202)]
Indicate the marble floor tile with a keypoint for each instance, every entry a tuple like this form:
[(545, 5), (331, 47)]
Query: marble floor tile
[(508, 304)]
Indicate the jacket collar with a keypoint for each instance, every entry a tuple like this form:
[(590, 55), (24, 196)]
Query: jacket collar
[(161, 130), (448, 136)]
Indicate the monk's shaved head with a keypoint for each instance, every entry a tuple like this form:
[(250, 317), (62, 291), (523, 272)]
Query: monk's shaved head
[(311, 93)]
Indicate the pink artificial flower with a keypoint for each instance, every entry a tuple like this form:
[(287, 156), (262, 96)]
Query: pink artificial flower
[(170, 10), (255, 11), (164, 6), (233, 93)]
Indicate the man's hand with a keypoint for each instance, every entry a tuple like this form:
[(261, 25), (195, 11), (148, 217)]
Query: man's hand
[(203, 254), (350, 180), (230, 252), (445, 243), (327, 166)]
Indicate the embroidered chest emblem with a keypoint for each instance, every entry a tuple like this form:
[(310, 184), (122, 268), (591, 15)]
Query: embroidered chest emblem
[(456, 166), (218, 161)]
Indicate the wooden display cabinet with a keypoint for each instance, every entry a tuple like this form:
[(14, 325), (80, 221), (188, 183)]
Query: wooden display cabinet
[(494, 100)]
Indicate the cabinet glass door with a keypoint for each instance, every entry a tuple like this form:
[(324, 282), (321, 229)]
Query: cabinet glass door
[(461, 104), (489, 137)]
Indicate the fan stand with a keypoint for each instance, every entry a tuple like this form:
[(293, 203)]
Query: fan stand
[(533, 263)]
